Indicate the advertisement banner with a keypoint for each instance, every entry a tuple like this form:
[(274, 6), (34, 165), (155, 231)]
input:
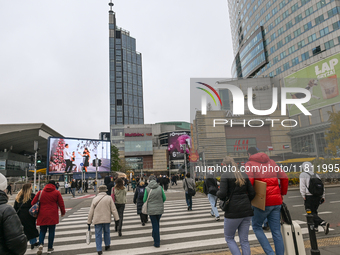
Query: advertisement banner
[(72, 155), (322, 81), (176, 140)]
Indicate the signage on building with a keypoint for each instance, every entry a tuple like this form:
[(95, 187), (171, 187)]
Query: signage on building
[(176, 142), (270, 148), (240, 145), (133, 134), (193, 157), (286, 146)]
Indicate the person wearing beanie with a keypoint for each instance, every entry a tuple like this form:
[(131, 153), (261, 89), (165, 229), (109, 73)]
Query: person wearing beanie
[(48, 217), (260, 167), (311, 201), (12, 237), (138, 200), (102, 207)]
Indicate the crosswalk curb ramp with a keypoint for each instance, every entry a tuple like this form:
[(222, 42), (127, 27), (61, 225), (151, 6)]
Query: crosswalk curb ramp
[(181, 231)]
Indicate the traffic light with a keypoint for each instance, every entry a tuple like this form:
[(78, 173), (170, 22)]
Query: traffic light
[(39, 158)]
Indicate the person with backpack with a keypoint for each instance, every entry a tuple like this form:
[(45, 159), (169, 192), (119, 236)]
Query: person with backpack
[(313, 192), (237, 190), (260, 167), (133, 184), (120, 201), (102, 207), (138, 200), (190, 189), (210, 188)]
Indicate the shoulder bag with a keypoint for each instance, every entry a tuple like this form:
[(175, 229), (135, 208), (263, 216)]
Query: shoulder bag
[(224, 203), (34, 210), (191, 192), (145, 205)]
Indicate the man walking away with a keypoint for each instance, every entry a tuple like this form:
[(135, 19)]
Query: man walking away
[(73, 188), (210, 188), (313, 192), (95, 186), (9, 189), (260, 167), (86, 186), (188, 183)]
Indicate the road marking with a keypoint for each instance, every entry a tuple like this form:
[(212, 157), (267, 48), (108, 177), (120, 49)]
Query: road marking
[(297, 205), (295, 196), (320, 213), (332, 202)]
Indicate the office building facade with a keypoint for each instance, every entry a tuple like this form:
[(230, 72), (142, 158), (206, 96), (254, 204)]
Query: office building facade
[(126, 83)]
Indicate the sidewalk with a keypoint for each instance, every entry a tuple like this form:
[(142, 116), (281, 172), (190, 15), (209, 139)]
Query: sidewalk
[(327, 246)]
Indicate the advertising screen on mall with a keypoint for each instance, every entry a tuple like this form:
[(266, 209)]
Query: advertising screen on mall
[(72, 155), (322, 82), (176, 141)]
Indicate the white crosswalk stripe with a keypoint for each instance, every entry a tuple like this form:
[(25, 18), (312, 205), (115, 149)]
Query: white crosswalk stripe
[(181, 231)]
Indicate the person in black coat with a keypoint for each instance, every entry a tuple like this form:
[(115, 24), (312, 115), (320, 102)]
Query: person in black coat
[(109, 184), (12, 238), (86, 186), (210, 188), (138, 199), (22, 205), (236, 187)]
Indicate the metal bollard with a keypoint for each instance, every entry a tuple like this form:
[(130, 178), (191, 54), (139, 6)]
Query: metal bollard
[(312, 236)]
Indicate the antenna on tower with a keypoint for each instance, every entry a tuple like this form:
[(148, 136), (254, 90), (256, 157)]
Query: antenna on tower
[(111, 5)]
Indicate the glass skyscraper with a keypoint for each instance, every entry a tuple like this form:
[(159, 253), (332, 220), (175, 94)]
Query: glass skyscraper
[(126, 83)]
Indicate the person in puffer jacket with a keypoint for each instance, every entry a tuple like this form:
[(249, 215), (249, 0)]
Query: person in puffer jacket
[(260, 167), (12, 238)]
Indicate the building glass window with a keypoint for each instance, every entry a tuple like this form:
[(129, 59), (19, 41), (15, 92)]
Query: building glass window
[(309, 11), (307, 26), (298, 18), (329, 44), (321, 4), (288, 38), (319, 19), (312, 38), (324, 31), (303, 144), (289, 25), (305, 56), (295, 7), (295, 61)]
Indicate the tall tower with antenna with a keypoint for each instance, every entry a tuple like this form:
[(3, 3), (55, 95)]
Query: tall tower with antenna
[(126, 82)]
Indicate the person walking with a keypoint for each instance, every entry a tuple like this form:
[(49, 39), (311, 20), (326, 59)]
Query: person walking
[(86, 186), (173, 180), (109, 185), (66, 187), (210, 188), (133, 184), (155, 196), (188, 183), (261, 167), (102, 207), (9, 189), (13, 241), (73, 187), (48, 217), (236, 187), (138, 200), (312, 201), (80, 187), (120, 201), (22, 205)]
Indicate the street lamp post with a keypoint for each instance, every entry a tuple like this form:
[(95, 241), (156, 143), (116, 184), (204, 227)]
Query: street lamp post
[(96, 173)]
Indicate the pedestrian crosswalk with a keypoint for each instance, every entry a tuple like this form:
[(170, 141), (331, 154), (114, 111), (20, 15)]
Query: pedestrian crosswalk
[(181, 231)]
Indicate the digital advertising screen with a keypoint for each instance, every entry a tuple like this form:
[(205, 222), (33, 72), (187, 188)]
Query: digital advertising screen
[(73, 155), (176, 140)]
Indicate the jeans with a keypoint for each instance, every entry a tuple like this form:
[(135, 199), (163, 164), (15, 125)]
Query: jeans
[(188, 198), (313, 203), (272, 213), (120, 210), (242, 225), (51, 233), (73, 191), (94, 188), (212, 200), (33, 241), (155, 229), (99, 228)]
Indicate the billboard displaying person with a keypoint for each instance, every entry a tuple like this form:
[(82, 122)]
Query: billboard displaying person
[(69, 155), (176, 140), (322, 82)]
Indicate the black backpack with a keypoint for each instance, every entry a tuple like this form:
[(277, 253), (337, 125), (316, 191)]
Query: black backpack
[(141, 193), (316, 187)]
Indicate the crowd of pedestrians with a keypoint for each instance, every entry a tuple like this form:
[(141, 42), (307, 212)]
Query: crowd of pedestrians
[(235, 191)]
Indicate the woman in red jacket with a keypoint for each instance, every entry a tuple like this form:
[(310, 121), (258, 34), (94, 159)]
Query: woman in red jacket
[(48, 216)]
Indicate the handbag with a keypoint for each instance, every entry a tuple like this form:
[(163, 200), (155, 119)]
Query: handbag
[(224, 203), (145, 205), (113, 194), (285, 214), (191, 192), (34, 210), (88, 235)]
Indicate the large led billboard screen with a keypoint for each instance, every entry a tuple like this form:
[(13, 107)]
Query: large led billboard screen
[(322, 82), (72, 155), (176, 141)]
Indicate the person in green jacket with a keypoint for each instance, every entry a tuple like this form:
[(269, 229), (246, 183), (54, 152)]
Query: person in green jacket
[(155, 196)]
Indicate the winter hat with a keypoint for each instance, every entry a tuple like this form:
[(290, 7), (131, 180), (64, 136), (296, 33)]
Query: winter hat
[(307, 167), (3, 182), (102, 188)]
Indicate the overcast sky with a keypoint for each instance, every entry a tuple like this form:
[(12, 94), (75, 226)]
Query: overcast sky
[(54, 58)]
